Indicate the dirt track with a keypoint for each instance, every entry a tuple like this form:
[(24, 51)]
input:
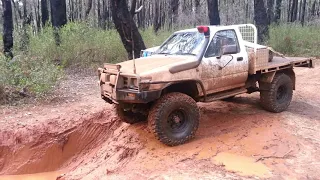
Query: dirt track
[(79, 134)]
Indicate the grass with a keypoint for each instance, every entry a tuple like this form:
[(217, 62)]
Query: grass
[(41, 64), (295, 40)]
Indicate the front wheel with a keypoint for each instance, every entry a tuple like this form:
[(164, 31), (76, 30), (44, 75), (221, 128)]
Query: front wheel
[(279, 94), (174, 119)]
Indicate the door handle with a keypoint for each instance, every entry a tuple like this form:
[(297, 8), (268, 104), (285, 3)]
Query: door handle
[(240, 59)]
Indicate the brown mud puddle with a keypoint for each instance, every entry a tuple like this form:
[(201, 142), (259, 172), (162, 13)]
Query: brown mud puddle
[(243, 165), (38, 176)]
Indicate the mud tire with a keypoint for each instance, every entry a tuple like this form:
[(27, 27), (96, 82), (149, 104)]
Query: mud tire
[(174, 119), (278, 98), (129, 116)]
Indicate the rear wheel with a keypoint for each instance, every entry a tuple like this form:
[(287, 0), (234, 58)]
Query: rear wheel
[(174, 119), (128, 116), (279, 94)]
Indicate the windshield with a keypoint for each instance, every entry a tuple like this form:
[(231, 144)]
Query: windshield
[(185, 43)]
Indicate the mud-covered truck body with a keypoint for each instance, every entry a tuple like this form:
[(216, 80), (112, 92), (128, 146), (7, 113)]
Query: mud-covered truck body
[(203, 64)]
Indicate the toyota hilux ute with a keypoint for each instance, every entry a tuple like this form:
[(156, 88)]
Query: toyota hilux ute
[(202, 64)]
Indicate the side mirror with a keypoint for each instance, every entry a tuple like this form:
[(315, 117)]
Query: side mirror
[(228, 49)]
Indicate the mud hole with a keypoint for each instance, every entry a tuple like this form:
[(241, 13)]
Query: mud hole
[(55, 153)]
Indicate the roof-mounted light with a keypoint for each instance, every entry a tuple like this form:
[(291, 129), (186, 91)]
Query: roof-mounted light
[(204, 29)]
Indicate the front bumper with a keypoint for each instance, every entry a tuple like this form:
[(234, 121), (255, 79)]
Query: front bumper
[(115, 89), (130, 96)]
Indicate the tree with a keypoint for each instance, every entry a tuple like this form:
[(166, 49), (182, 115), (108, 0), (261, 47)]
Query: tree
[(88, 9), (213, 12), (277, 15), (127, 29), (173, 12), (197, 11), (294, 11), (260, 19), (26, 21), (7, 28), (44, 12), (303, 12), (270, 5), (156, 17), (58, 16)]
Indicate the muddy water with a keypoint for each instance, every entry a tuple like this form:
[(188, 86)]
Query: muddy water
[(245, 166), (38, 176)]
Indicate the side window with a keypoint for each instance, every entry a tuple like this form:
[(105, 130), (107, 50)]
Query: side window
[(221, 39)]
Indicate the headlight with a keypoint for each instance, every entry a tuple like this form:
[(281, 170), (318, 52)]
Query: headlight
[(144, 84), (134, 81), (113, 79)]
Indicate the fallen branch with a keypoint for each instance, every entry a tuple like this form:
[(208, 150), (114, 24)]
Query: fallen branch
[(274, 157)]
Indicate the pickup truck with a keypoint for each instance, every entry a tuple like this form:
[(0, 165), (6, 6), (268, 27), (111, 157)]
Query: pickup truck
[(203, 64)]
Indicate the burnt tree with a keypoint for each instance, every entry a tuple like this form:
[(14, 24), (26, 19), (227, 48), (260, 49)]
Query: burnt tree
[(44, 12), (127, 29), (156, 17), (58, 16), (303, 11), (197, 9), (260, 19), (7, 28), (213, 12), (88, 9), (26, 21), (270, 11), (294, 11), (173, 13), (277, 15)]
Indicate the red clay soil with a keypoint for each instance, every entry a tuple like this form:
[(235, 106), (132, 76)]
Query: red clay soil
[(78, 136)]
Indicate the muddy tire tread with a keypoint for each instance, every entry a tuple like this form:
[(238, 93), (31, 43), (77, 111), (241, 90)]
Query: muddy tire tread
[(267, 97), (155, 113)]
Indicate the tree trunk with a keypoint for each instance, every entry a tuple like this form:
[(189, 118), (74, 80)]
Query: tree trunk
[(303, 12), (278, 11), (104, 15), (173, 15), (213, 12), (133, 7), (58, 16), (197, 12), (26, 21), (260, 15), (44, 12), (156, 17), (270, 11), (7, 28), (88, 9), (294, 11), (313, 8), (289, 10), (127, 29)]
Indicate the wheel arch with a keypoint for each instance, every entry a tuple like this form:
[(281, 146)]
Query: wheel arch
[(192, 88), (267, 78)]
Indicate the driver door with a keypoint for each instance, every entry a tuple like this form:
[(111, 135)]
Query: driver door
[(223, 72)]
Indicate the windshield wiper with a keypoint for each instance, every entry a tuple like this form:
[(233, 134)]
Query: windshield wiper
[(186, 54), (163, 53)]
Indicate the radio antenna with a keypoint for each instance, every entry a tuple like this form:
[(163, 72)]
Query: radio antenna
[(133, 57)]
